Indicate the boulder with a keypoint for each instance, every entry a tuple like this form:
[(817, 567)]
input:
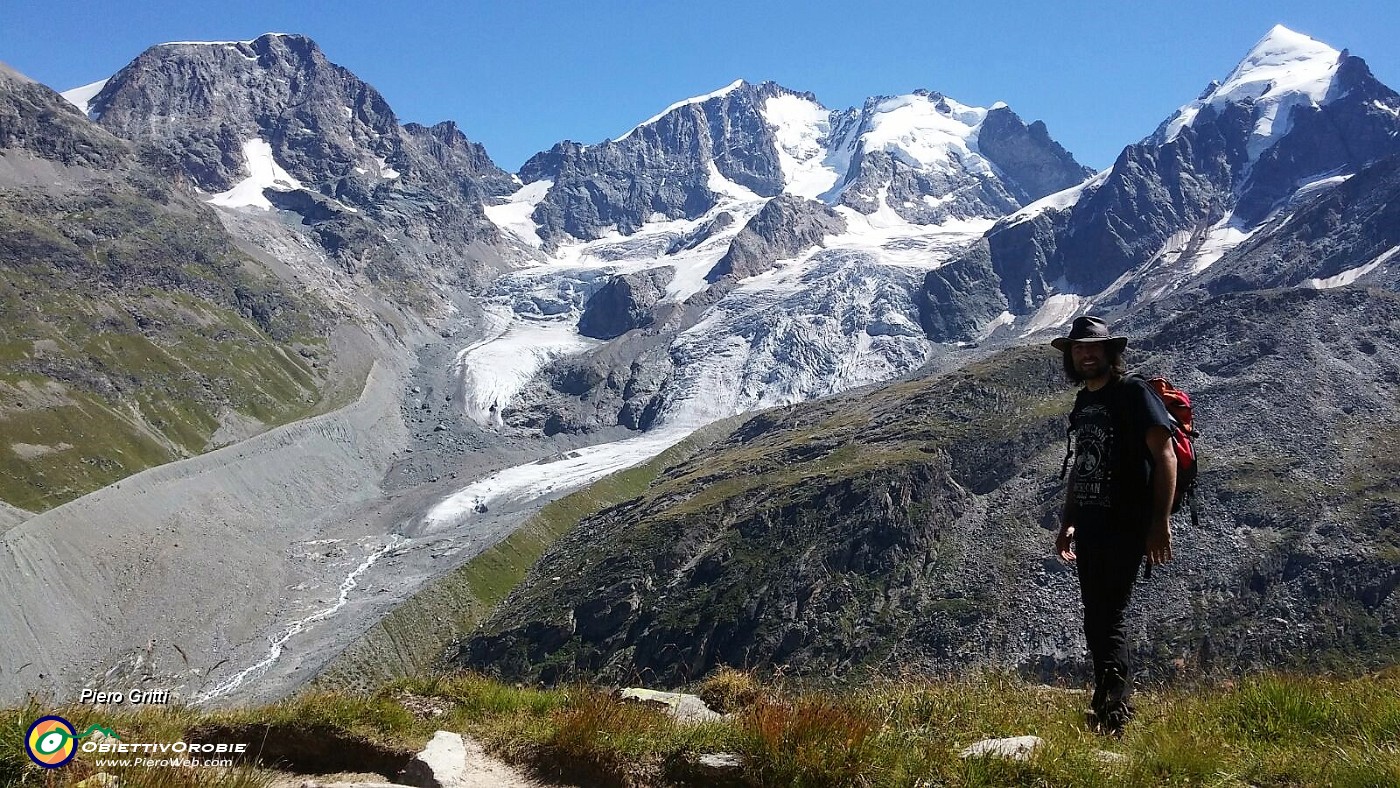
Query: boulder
[(1016, 748), (682, 707)]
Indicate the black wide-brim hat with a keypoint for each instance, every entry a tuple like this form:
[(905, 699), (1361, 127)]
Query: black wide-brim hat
[(1089, 329)]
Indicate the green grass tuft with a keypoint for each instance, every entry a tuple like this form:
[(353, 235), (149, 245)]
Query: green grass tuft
[(1267, 730)]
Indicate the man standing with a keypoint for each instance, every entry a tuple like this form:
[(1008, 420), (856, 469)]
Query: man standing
[(1118, 502)]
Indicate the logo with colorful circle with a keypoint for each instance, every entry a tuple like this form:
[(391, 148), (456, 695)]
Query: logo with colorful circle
[(52, 742)]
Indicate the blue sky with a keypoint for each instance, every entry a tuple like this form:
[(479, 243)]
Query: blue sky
[(520, 76)]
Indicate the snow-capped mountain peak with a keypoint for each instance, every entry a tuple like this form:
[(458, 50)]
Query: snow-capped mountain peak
[(1283, 70), (722, 92), (924, 129)]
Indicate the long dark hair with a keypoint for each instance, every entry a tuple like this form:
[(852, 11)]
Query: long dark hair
[(1116, 364)]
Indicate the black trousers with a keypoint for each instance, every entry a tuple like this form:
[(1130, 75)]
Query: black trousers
[(1107, 569)]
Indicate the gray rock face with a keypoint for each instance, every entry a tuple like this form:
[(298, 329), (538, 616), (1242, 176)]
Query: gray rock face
[(783, 229), (624, 303), (622, 384), (1035, 164), (202, 101), (336, 135), (1351, 227), (703, 233), (34, 118), (959, 297), (449, 147), (660, 167)]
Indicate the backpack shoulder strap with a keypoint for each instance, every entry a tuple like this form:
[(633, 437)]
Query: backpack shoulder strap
[(1069, 434)]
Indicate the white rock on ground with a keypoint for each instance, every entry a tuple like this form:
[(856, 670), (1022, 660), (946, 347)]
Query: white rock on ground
[(682, 707), (1016, 748), (453, 761), (1111, 758), (725, 767)]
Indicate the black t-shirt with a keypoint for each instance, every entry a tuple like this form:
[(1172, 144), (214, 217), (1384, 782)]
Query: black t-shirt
[(1112, 465)]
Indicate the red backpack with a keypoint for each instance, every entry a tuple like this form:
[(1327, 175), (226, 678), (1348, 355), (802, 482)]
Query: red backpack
[(1178, 405)]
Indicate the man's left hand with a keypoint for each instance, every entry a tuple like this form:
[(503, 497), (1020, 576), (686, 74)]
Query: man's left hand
[(1159, 544)]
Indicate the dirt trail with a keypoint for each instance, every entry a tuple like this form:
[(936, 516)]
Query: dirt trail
[(481, 771)]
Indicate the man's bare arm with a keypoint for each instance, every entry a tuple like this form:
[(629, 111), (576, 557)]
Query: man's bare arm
[(1066, 534), (1159, 534)]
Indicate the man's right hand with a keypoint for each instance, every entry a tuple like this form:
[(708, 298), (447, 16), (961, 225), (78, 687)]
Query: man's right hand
[(1062, 543)]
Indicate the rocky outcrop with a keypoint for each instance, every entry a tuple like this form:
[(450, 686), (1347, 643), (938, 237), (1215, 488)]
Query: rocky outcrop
[(34, 118), (786, 227), (852, 534), (209, 106), (661, 167), (623, 385), (1035, 164), (722, 221), (959, 298), (624, 303), (1347, 233), (450, 148)]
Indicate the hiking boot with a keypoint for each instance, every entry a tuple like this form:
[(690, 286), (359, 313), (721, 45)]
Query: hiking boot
[(1114, 721)]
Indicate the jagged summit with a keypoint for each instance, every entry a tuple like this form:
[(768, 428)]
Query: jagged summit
[(722, 92), (272, 124), (1285, 69), (919, 158), (1293, 118)]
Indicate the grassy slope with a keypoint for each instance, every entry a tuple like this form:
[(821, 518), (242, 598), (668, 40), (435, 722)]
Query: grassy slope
[(128, 325), (842, 488), (1265, 730)]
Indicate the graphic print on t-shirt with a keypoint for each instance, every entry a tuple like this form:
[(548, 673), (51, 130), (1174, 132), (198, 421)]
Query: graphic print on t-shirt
[(1093, 461)]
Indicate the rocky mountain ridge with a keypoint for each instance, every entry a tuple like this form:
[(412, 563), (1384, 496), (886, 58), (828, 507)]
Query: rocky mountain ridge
[(135, 330), (909, 527), (1292, 118), (926, 157), (272, 122)]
